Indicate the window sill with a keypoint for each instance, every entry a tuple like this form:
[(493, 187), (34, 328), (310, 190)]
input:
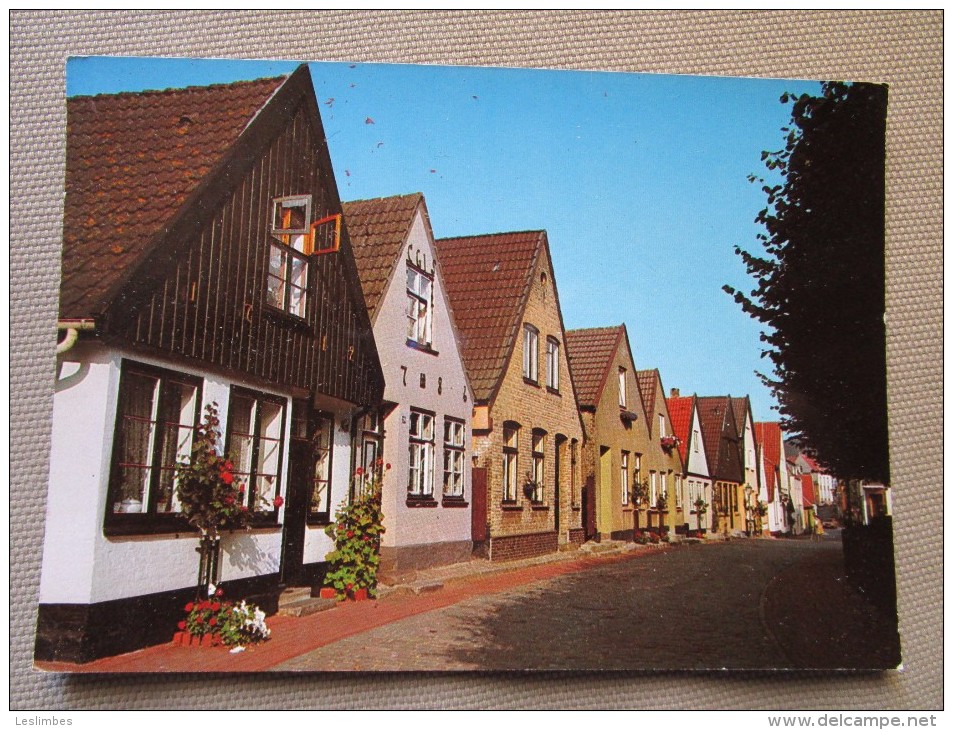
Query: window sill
[(421, 347), (576, 508), (454, 502), (280, 315), (530, 381), (175, 526), (553, 391), (421, 502), (320, 520), (539, 507), (511, 507)]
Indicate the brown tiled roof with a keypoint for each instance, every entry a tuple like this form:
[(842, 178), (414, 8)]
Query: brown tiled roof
[(716, 418), (769, 436), (590, 352), (132, 159), (648, 382), (680, 413), (740, 408), (377, 229), (487, 278)]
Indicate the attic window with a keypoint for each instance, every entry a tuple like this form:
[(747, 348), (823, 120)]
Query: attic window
[(288, 255)]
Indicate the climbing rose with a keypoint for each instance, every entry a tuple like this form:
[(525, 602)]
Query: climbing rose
[(216, 606), (360, 471), (181, 625), (278, 501), (219, 593), (388, 467), (229, 499), (227, 477), (350, 533), (212, 621), (189, 606)]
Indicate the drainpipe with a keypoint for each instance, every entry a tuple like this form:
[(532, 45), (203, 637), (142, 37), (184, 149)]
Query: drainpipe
[(73, 327)]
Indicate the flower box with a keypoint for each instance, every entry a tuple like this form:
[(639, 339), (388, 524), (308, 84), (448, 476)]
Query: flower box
[(359, 595), (328, 592)]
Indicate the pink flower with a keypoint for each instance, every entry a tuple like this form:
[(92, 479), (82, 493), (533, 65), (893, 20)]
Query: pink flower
[(220, 593), (278, 501), (360, 471)]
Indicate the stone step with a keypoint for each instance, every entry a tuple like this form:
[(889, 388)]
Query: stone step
[(305, 606), (292, 595)]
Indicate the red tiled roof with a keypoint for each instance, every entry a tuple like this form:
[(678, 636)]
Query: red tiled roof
[(648, 384), (768, 434), (807, 490), (811, 464), (378, 229), (680, 412), (132, 160), (590, 352), (487, 278)]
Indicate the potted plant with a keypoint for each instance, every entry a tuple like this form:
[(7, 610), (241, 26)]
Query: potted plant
[(668, 443), (530, 488), (356, 531), (701, 509)]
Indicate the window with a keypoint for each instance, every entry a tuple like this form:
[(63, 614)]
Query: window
[(625, 477), (552, 363), (419, 309), (511, 435), (661, 425), (622, 398), (695, 441), (255, 442), (454, 434), (155, 419), (637, 473), (530, 353), (320, 503), (678, 491), (288, 255), (653, 489), (420, 481), (573, 449), (539, 464), (367, 445)]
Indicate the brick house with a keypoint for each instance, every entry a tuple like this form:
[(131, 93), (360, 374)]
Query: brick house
[(748, 446), (663, 459), (527, 430), (427, 495), (724, 463), (617, 437), (203, 262), (686, 425)]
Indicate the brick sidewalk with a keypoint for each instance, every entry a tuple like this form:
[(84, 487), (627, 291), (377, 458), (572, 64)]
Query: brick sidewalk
[(292, 636)]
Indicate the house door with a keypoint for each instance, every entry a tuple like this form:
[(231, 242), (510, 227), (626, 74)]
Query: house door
[(478, 510), (300, 475), (589, 508)]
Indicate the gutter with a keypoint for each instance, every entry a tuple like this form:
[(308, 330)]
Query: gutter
[(73, 327)]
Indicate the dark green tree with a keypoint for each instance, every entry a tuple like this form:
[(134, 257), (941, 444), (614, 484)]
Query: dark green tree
[(820, 287)]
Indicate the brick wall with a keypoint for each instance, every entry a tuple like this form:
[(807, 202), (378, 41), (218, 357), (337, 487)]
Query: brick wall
[(577, 536), (515, 547)]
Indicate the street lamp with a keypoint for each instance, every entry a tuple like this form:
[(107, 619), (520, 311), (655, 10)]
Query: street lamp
[(749, 516)]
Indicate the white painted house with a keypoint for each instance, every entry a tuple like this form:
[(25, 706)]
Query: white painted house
[(748, 445), (774, 475), (687, 427), (427, 498), (203, 262)]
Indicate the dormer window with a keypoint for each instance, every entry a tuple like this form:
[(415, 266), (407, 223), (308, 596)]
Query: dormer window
[(290, 247), (419, 306)]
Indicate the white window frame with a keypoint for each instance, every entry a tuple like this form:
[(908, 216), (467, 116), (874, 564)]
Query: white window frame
[(552, 363), (287, 277), (419, 306), (623, 399), (511, 436), (421, 452), (531, 353), (539, 466), (454, 445), (260, 468), (653, 489), (661, 425), (624, 473)]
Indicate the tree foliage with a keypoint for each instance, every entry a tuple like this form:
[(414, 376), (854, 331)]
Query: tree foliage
[(820, 287)]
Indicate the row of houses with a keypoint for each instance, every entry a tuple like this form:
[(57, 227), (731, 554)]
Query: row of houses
[(208, 259)]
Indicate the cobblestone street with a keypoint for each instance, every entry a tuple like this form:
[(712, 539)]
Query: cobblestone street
[(694, 607)]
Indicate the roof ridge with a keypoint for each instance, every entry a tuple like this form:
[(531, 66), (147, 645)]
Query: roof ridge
[(494, 235), (177, 89), (416, 194)]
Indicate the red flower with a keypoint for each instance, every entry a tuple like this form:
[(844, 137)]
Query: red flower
[(212, 621), (366, 538), (227, 477), (198, 618), (360, 471), (220, 592), (350, 586), (228, 465), (388, 467), (181, 625), (278, 501), (380, 462), (350, 533), (189, 606), (216, 606), (229, 500)]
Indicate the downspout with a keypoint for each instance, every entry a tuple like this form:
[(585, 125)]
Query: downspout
[(73, 327)]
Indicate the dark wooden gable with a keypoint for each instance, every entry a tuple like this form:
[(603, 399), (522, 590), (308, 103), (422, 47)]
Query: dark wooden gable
[(730, 468), (200, 294)]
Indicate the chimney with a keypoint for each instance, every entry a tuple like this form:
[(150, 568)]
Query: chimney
[(674, 393)]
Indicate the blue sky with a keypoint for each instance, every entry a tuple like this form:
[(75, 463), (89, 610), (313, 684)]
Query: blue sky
[(640, 181)]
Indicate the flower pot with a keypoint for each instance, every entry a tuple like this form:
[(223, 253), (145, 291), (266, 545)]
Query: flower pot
[(327, 592), (180, 638), (360, 594)]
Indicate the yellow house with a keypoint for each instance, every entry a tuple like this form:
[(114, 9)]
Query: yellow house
[(665, 506), (616, 426)]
